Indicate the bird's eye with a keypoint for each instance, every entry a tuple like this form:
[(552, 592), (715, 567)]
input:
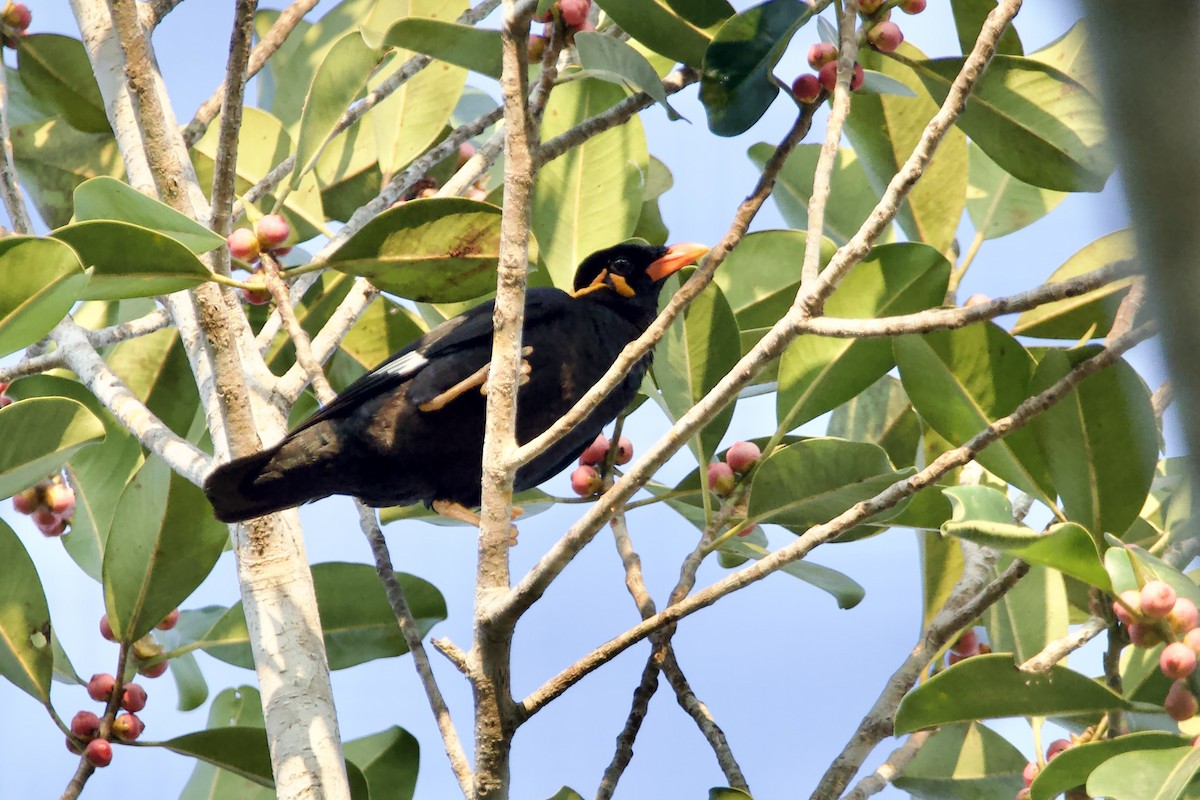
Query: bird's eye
[(620, 266)]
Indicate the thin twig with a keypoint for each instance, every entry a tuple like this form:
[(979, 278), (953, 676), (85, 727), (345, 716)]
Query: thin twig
[(1059, 649), (10, 188), (153, 11), (886, 772)]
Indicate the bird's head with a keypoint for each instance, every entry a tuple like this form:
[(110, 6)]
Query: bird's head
[(634, 270)]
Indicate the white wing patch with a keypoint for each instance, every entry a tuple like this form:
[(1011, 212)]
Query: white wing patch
[(404, 366)]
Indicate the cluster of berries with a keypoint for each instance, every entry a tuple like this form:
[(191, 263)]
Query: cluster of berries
[(87, 729), (575, 17), (1033, 768), (878, 31), (247, 245), (967, 645), (14, 21), (146, 648), (1156, 615), (50, 503), (586, 480), (739, 458)]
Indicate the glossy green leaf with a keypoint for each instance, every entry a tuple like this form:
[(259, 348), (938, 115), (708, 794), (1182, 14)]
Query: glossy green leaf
[(696, 352), (963, 760), (991, 686), (40, 435), (878, 83), (941, 568), (969, 16), (818, 373), (128, 260), (40, 279), (22, 105), (1072, 767), (659, 25), (466, 46), (348, 172), (847, 591), (389, 761), (163, 544), (814, 480), (358, 622), (1146, 775), (240, 750), (962, 380), (25, 654), (998, 203), (53, 158), (438, 250), (880, 414), (1037, 123), (156, 370), (1127, 574), (56, 69), (239, 708), (736, 84), (590, 197), (610, 59), (341, 76), (106, 198), (1087, 315), (884, 129), (1100, 441), (851, 198), (1066, 547)]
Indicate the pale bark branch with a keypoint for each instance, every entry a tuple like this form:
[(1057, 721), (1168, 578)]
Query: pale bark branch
[(1059, 649), (886, 772), (10, 187), (153, 11)]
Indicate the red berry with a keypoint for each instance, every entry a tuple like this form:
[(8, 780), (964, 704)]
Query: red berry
[(807, 88), (886, 36), (60, 499), (1180, 703), (169, 621), (243, 244), (1144, 635), (18, 16), (1056, 747), (1183, 616), (5, 400), (1158, 598), (585, 481), (953, 658), (721, 479), (466, 150), (967, 644), (821, 54), (100, 687), (595, 452), (912, 6), (54, 529), (1177, 660), (99, 752), (106, 630), (133, 697), (85, 724), (624, 451), (749, 529), (858, 78), (153, 670), (74, 748), (1133, 599), (1192, 639), (1030, 772), (273, 230), (127, 727), (27, 501), (257, 297), (478, 195), (741, 456), (574, 12), (827, 76)]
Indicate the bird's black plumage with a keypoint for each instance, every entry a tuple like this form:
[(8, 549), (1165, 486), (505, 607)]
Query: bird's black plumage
[(394, 437)]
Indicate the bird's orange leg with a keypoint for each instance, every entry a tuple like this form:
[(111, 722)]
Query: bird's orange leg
[(457, 511), (476, 378)]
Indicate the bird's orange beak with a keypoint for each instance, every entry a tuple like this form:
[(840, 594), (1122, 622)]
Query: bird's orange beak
[(678, 256)]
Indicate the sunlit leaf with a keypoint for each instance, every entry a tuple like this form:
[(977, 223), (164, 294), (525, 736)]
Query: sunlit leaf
[(129, 260), (106, 198), (659, 25), (963, 760), (40, 434), (57, 70), (40, 279), (25, 654)]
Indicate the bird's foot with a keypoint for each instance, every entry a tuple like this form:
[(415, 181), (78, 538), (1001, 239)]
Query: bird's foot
[(522, 377), (477, 378), (457, 511)]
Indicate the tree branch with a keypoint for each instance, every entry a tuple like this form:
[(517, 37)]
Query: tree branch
[(1059, 649), (10, 187), (886, 772)]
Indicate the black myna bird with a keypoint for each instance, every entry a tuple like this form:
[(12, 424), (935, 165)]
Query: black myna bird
[(412, 430)]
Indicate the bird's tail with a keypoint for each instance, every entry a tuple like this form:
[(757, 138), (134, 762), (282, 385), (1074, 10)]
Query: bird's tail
[(257, 485)]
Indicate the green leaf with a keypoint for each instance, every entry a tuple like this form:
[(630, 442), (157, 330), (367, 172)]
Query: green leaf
[(991, 686), (240, 708), (25, 654), (725, 793), (696, 352), (438, 250), (40, 279), (847, 591), (156, 370), (106, 198), (814, 480), (355, 614), (163, 544), (242, 751), (736, 85), (40, 435), (1066, 547), (389, 761), (1100, 441), (465, 46), (590, 197), (56, 70), (878, 83), (131, 261), (566, 793), (337, 81), (1030, 615), (969, 16), (660, 25), (1037, 123), (1087, 315), (819, 373), (612, 60), (1117, 560), (963, 761), (1148, 775), (941, 568), (851, 198), (998, 203), (881, 414), (1072, 767), (1072, 53), (962, 380), (884, 129), (53, 158)]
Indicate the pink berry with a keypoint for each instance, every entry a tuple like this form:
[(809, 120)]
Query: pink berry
[(912, 6), (807, 88), (127, 727), (1183, 616), (5, 400), (106, 630), (60, 499), (721, 479), (1056, 747), (1177, 660), (821, 54), (273, 230), (85, 724), (967, 644), (153, 670), (1133, 599), (1030, 772), (595, 452), (624, 452), (478, 195), (953, 658), (1158, 598), (243, 244), (54, 529), (99, 752), (466, 150), (133, 697), (100, 687), (257, 297), (1192, 640), (18, 16), (74, 748), (1144, 635), (27, 501), (741, 456), (886, 36), (169, 621), (1180, 704), (585, 481), (574, 12), (858, 78), (827, 76), (749, 529)]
